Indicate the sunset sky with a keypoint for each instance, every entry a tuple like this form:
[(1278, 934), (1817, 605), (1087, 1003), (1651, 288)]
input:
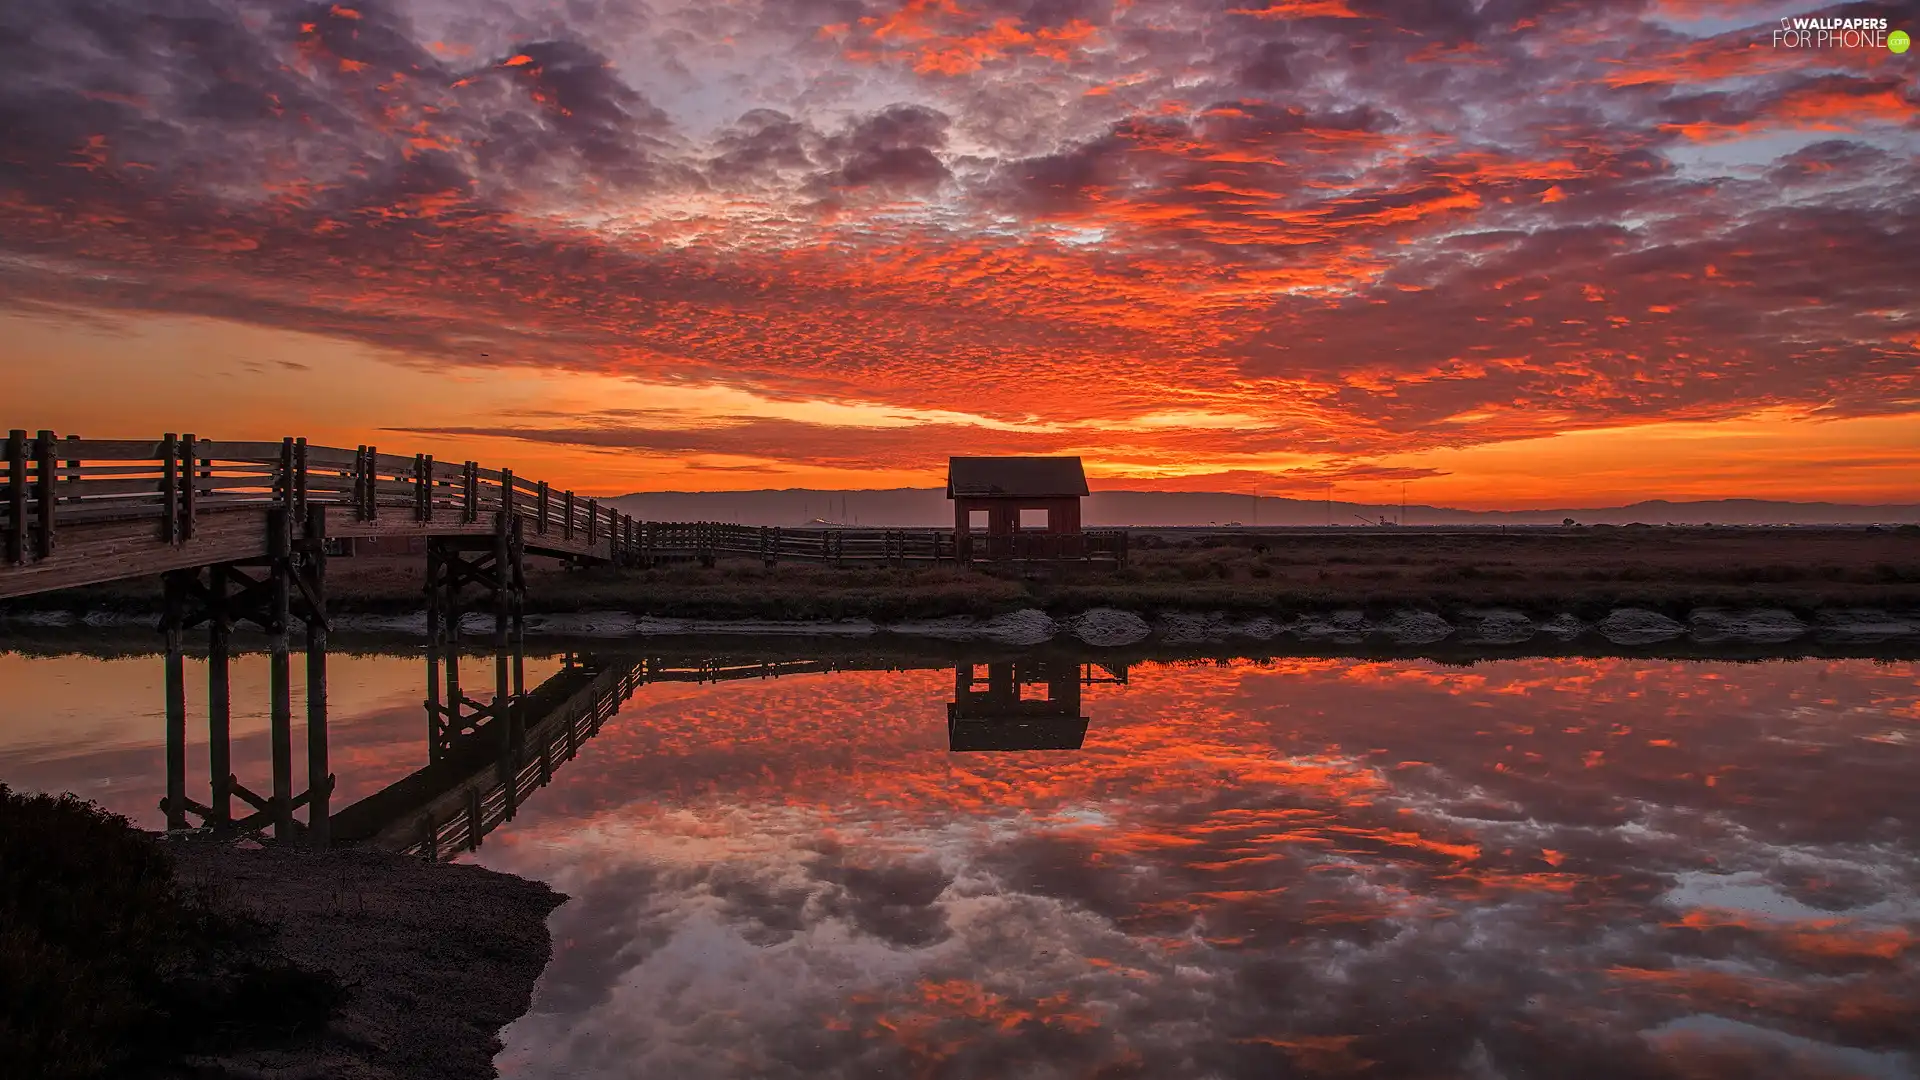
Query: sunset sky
[(1513, 252)]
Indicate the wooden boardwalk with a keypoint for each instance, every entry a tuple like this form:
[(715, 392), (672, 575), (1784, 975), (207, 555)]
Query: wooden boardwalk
[(85, 511)]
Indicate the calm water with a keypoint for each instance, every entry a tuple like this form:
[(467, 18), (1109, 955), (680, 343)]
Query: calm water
[(1548, 867)]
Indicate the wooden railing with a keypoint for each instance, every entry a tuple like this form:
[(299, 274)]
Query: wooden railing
[(660, 541), (47, 484)]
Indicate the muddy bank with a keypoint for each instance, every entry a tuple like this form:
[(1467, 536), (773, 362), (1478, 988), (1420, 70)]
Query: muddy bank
[(1108, 627), (435, 958)]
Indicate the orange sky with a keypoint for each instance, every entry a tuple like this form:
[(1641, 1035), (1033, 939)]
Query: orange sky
[(1512, 254)]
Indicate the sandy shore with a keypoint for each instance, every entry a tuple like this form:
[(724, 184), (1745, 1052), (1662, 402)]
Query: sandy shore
[(436, 958)]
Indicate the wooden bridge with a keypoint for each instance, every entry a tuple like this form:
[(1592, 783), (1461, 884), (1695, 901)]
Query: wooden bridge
[(84, 511)]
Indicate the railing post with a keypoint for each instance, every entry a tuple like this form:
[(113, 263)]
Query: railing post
[(506, 492), (566, 528), (16, 496), (189, 483), (373, 481), (426, 487), (47, 469), (283, 474), (170, 488), (543, 505), (360, 483), (593, 522), (470, 476)]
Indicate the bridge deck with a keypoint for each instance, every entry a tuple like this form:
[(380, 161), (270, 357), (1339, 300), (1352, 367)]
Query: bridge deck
[(86, 511)]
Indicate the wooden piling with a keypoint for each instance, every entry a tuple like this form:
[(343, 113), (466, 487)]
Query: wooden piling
[(319, 780), (173, 625), (219, 698), (279, 668)]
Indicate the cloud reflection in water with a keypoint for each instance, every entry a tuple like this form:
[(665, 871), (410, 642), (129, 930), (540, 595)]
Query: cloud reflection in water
[(1545, 867)]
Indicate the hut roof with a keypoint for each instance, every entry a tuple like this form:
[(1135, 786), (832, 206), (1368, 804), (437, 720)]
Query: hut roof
[(1016, 477)]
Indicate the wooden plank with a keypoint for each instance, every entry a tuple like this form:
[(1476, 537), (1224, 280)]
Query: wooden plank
[(261, 452), (146, 487), (91, 554), (116, 450), (82, 471), (320, 482), (392, 464), (332, 457), (127, 510)]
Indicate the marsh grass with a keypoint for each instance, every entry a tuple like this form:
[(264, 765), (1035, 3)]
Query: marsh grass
[(1542, 571)]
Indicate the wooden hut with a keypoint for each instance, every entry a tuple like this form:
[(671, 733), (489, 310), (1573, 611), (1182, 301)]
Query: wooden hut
[(1028, 704), (998, 489)]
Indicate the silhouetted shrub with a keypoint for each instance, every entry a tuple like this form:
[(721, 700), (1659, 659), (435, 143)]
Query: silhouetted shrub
[(106, 964)]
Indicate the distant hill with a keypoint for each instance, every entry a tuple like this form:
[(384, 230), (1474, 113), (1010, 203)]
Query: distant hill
[(922, 507)]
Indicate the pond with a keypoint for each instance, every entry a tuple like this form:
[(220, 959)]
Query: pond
[(1547, 866)]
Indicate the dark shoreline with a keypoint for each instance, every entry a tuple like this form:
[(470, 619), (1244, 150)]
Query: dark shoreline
[(1103, 634), (436, 958)]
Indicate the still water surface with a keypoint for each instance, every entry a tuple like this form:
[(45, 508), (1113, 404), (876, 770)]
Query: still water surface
[(1562, 867)]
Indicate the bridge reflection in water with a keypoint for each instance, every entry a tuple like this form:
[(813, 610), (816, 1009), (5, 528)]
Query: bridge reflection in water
[(485, 759)]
